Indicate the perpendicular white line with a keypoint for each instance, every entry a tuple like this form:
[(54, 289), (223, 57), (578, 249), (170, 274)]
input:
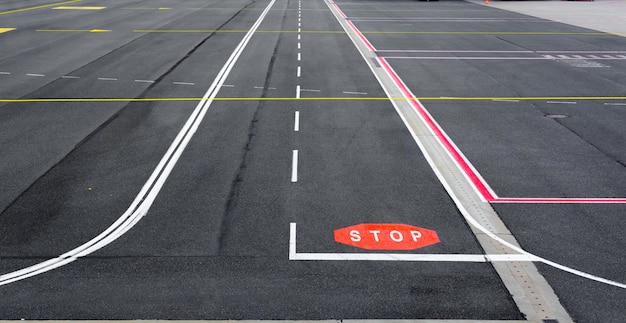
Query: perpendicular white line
[(294, 167), (294, 255), (296, 122), (142, 202), (297, 91), (299, 72)]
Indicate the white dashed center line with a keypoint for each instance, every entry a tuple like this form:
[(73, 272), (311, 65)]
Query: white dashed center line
[(294, 167), (296, 122), (107, 79), (36, 75), (184, 83)]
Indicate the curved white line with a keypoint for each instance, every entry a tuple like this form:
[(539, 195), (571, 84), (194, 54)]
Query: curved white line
[(142, 203)]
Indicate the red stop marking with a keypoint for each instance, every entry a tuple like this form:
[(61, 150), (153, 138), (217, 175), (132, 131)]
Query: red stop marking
[(386, 236)]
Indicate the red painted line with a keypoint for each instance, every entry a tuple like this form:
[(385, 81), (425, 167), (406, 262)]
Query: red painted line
[(358, 32), (558, 200), (339, 10), (461, 161)]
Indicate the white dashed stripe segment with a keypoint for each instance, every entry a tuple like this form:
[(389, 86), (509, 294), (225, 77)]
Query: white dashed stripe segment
[(294, 166), (296, 122)]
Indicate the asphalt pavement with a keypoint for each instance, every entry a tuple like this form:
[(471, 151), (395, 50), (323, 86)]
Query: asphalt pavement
[(157, 157)]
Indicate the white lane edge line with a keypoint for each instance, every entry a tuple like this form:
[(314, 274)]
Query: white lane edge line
[(142, 202)]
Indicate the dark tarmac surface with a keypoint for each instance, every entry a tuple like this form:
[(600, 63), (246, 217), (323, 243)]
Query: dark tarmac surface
[(215, 242)]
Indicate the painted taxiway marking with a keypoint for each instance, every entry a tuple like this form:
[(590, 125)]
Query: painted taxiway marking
[(4, 30), (295, 255), (78, 8), (298, 98), (296, 121), (38, 7), (73, 30), (294, 166)]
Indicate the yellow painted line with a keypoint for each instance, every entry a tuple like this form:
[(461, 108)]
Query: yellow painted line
[(78, 8), (4, 30), (234, 31), (550, 98), (73, 30), (371, 32), (39, 7)]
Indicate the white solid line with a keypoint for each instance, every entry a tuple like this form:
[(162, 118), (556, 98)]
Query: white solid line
[(70, 77), (143, 201), (184, 83), (38, 75), (144, 81), (296, 122), (294, 255), (561, 102), (107, 79), (299, 73), (294, 167), (297, 91)]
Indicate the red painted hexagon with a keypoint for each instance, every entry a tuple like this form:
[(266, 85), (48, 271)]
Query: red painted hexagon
[(386, 236)]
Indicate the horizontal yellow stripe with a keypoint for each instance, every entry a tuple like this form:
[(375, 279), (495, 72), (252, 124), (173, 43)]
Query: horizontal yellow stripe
[(234, 31), (547, 98), (38, 7)]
